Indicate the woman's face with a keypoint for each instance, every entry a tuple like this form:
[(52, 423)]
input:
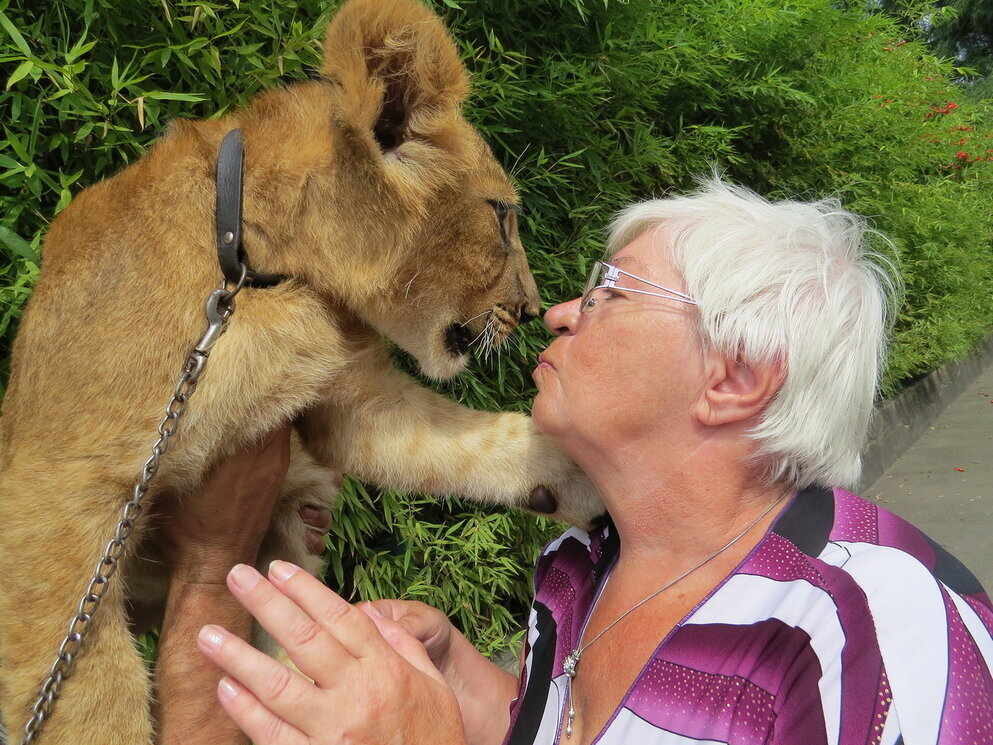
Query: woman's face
[(628, 368)]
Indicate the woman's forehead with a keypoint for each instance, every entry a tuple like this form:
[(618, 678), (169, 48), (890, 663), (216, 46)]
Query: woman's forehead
[(647, 254)]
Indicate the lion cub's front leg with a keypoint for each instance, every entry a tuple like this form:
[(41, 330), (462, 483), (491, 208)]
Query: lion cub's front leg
[(385, 428)]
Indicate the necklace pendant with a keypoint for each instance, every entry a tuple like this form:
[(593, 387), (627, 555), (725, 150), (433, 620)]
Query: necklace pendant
[(570, 663), (569, 669)]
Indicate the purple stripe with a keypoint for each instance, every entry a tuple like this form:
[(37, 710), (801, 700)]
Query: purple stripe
[(897, 533), (566, 589), (854, 519), (861, 662), (778, 559), (597, 539), (980, 602), (862, 668), (703, 705), (967, 718), (771, 656)]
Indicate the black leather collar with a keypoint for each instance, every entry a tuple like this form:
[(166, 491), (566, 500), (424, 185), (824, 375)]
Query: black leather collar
[(230, 253)]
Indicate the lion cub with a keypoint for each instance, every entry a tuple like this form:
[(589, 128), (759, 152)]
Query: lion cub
[(388, 216)]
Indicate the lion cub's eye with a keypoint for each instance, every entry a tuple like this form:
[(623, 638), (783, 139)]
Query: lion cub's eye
[(503, 209)]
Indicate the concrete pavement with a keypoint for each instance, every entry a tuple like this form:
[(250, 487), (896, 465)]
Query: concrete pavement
[(943, 483)]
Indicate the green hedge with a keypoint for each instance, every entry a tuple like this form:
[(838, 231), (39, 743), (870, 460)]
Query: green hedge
[(591, 104)]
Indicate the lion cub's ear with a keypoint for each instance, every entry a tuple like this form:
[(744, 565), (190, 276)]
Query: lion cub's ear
[(397, 69)]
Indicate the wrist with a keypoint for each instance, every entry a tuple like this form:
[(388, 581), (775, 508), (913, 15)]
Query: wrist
[(185, 706), (208, 568)]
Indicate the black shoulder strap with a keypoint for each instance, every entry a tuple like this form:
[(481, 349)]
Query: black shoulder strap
[(230, 253)]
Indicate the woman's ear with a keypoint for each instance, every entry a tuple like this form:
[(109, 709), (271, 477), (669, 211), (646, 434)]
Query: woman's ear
[(735, 390)]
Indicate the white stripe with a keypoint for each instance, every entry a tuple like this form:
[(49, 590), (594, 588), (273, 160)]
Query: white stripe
[(891, 730), (912, 629), (551, 715), (630, 729), (798, 604), (580, 535)]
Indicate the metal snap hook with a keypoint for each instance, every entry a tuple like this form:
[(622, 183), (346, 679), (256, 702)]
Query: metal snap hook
[(216, 319)]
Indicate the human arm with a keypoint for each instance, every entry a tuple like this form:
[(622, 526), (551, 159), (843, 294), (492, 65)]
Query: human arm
[(220, 525)]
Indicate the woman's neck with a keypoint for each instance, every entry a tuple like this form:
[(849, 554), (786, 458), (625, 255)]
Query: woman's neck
[(675, 513)]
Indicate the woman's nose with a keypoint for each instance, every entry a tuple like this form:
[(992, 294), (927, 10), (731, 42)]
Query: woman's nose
[(561, 319)]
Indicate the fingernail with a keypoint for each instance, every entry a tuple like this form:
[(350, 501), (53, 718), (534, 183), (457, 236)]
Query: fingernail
[(211, 636), (282, 570), (227, 688), (372, 610), (244, 577)]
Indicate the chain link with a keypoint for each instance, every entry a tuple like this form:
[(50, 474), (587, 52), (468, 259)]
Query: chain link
[(219, 307)]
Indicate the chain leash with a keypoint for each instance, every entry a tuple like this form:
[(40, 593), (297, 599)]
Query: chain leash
[(219, 307)]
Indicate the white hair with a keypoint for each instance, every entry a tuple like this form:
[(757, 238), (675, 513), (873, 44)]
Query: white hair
[(791, 284)]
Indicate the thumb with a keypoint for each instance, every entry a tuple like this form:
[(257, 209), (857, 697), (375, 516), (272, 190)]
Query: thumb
[(407, 646)]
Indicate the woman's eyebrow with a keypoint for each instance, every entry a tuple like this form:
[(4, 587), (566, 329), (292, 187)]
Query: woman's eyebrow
[(627, 262)]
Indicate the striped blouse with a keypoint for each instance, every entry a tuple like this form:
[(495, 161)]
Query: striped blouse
[(845, 625)]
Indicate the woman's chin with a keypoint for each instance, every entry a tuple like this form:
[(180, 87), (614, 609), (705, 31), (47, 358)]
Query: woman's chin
[(543, 414)]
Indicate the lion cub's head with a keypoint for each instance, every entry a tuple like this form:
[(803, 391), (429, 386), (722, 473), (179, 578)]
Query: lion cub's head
[(371, 186)]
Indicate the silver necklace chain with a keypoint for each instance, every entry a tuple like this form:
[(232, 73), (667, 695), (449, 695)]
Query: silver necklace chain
[(219, 307), (571, 663)]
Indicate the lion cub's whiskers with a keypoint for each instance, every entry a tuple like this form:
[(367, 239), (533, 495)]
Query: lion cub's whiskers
[(467, 322), (481, 334), (490, 334), (406, 291)]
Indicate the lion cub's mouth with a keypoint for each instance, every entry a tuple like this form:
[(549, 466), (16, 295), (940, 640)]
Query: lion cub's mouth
[(459, 337)]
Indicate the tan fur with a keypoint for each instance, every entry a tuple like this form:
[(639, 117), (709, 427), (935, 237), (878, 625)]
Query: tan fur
[(395, 241)]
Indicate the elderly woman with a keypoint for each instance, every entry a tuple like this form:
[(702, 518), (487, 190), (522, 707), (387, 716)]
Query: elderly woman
[(715, 381)]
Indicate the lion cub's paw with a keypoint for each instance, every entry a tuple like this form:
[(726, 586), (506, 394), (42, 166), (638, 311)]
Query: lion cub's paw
[(302, 515), (573, 500)]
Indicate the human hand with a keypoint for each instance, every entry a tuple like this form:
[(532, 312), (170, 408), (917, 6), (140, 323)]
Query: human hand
[(426, 624), (223, 522), (483, 690), (372, 682)]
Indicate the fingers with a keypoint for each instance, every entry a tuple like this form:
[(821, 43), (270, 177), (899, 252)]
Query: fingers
[(351, 628), (428, 625), (320, 631), (315, 542), (316, 652), (424, 623), (408, 646), (269, 701)]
